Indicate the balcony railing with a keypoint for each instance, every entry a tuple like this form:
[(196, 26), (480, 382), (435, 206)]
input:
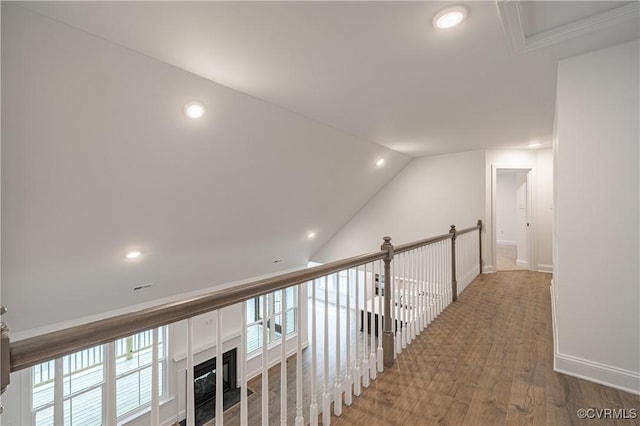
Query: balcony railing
[(384, 300)]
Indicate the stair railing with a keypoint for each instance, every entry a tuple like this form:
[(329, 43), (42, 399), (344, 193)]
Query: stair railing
[(397, 292)]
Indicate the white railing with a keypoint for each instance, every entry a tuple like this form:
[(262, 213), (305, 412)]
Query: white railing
[(363, 312)]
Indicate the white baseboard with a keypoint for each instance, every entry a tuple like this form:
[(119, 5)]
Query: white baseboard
[(554, 324), (618, 378), (506, 243), (522, 263), (488, 269), (545, 268)]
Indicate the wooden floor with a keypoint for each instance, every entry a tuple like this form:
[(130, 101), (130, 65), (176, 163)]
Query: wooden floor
[(506, 259), (486, 360)]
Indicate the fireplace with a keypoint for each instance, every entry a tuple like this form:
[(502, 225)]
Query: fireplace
[(204, 385)]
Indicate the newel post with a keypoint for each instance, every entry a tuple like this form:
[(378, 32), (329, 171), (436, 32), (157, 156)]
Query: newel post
[(388, 343), (454, 281), (480, 242), (5, 362)]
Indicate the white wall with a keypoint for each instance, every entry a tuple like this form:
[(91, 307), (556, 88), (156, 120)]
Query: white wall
[(506, 208), (423, 200), (596, 238), (544, 209)]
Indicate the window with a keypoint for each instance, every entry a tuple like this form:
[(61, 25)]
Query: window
[(133, 371), (273, 316), (83, 381)]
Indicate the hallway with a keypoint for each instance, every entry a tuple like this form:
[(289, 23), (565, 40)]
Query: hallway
[(487, 360)]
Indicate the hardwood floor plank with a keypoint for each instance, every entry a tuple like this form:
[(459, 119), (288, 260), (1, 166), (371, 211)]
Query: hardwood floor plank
[(486, 360)]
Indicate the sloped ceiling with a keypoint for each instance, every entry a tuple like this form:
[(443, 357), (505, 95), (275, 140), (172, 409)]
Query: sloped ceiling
[(98, 158)]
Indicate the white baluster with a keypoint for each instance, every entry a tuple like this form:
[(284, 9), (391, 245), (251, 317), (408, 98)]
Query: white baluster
[(191, 415), (366, 321), (265, 363), (243, 366), (155, 380), (405, 300), (110, 383), (58, 392), (416, 300), (299, 416), (430, 287), (219, 370), (437, 269), (313, 407), (357, 375), (326, 396), (441, 278), (423, 288), (446, 266), (337, 391), (411, 331), (283, 359), (414, 277), (448, 263), (441, 287), (379, 354), (397, 305), (393, 293), (348, 380), (375, 313)]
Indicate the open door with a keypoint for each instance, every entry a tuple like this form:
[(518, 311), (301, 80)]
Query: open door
[(512, 215)]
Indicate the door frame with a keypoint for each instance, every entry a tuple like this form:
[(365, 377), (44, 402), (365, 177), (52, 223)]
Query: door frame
[(532, 242)]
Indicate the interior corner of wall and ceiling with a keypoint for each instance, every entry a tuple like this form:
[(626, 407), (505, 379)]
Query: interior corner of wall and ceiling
[(302, 99)]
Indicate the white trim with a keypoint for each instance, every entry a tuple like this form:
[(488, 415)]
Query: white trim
[(513, 26), (522, 264), (554, 323), (488, 269), (506, 243), (617, 378), (532, 189), (545, 268)]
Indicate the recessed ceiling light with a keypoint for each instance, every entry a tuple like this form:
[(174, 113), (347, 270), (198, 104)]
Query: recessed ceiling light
[(449, 17), (311, 235), (535, 145), (194, 110), (380, 162), (133, 254)]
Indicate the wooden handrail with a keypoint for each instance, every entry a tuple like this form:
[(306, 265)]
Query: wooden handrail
[(414, 245), (35, 350), (38, 349), (469, 229)]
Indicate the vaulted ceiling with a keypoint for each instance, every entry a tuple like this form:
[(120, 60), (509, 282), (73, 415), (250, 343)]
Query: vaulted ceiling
[(302, 98)]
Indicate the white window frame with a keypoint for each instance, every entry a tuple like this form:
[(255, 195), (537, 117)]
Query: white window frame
[(274, 340), (125, 417)]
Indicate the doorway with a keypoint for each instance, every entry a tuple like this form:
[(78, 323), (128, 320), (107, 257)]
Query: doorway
[(512, 219)]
